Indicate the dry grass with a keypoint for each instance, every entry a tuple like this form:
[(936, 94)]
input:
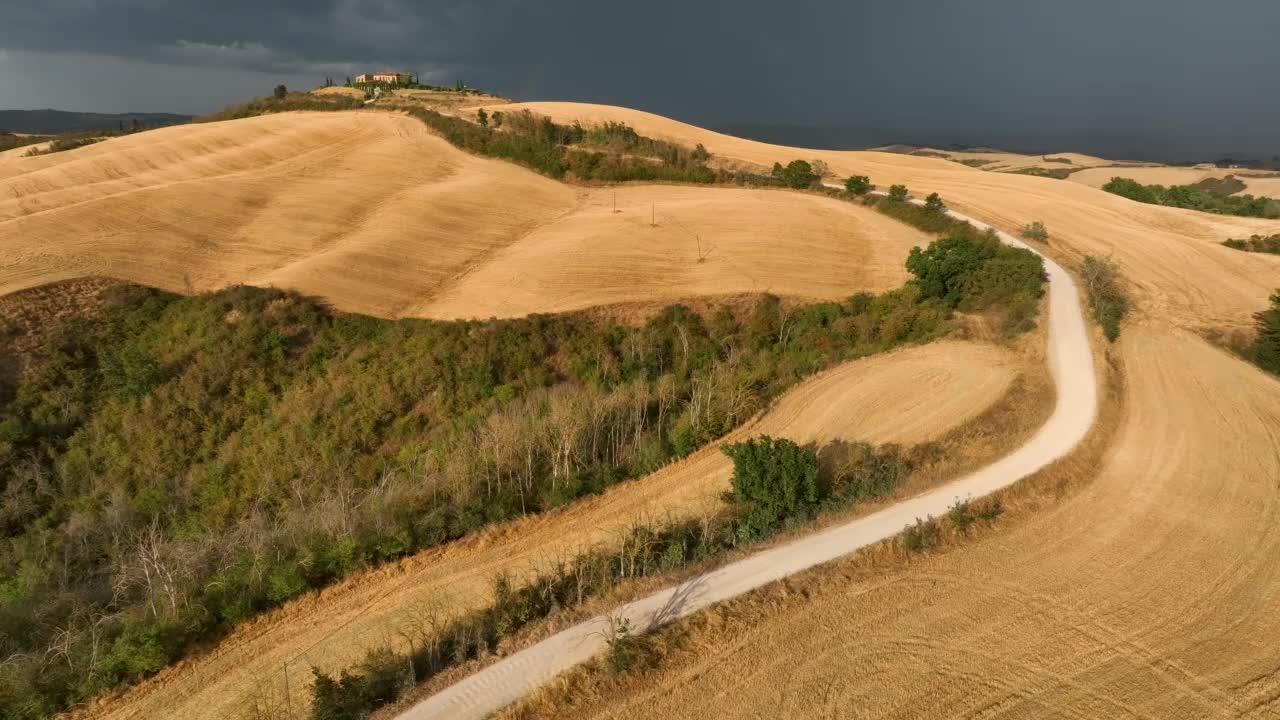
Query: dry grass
[(728, 632), (1185, 276), (375, 214), (1148, 592), (28, 318)]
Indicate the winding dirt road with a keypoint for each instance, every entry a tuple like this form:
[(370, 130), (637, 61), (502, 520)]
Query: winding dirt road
[(1071, 367)]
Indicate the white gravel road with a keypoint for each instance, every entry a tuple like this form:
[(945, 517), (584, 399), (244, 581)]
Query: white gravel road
[(1071, 366)]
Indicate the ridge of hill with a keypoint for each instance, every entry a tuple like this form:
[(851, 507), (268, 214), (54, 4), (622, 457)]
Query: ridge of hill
[(53, 122)]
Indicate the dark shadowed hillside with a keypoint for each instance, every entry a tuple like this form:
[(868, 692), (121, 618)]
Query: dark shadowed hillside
[(52, 122)]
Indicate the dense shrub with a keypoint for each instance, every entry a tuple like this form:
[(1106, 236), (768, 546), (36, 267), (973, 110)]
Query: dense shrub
[(934, 203), (974, 273), (898, 193), (291, 102), (1036, 231), (1265, 350), (774, 480), (1256, 243), (1055, 173), (858, 184), (922, 218), (1190, 196), (612, 152), (1107, 297), (1229, 185)]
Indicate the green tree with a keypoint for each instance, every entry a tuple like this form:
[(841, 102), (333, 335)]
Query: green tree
[(858, 184), (1266, 348), (942, 269), (773, 480), (798, 174), (934, 203), (280, 92), (898, 193), (482, 117)]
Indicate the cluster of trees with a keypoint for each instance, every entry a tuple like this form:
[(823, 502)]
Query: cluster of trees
[(1195, 198), (972, 272), (797, 174), (1256, 243), (775, 485), (177, 465), (613, 152)]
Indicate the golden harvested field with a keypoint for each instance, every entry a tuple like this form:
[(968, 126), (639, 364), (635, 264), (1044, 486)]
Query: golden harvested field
[(1266, 184), (908, 396), (375, 214), (1172, 256), (1000, 161), (786, 243), (1154, 593)]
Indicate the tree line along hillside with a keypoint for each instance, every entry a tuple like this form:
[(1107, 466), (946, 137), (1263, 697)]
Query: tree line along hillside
[(175, 465), (1205, 197)]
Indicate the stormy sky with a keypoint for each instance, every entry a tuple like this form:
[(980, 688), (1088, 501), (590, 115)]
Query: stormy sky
[(1140, 78)]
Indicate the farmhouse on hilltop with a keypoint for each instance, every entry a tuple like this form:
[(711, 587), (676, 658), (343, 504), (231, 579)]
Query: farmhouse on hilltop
[(385, 76)]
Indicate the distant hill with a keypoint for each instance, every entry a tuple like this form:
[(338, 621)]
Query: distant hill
[(51, 122)]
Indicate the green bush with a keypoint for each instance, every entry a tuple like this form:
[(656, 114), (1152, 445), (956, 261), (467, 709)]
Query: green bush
[(1036, 231), (858, 184), (1107, 297), (280, 92), (798, 174), (898, 193), (1265, 349), (1256, 243), (934, 204), (378, 681), (774, 480)]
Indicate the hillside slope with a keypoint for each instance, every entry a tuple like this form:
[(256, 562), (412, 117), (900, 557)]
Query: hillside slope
[(1174, 256), (375, 214), (908, 396), (1152, 594)]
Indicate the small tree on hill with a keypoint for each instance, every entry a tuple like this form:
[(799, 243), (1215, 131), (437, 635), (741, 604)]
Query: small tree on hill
[(482, 117), (898, 193), (858, 184), (934, 203), (497, 118), (280, 92)]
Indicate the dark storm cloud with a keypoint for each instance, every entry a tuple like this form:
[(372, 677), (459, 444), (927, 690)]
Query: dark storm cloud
[(1149, 76)]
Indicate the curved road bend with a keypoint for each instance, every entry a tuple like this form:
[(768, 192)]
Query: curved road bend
[(1071, 366)]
